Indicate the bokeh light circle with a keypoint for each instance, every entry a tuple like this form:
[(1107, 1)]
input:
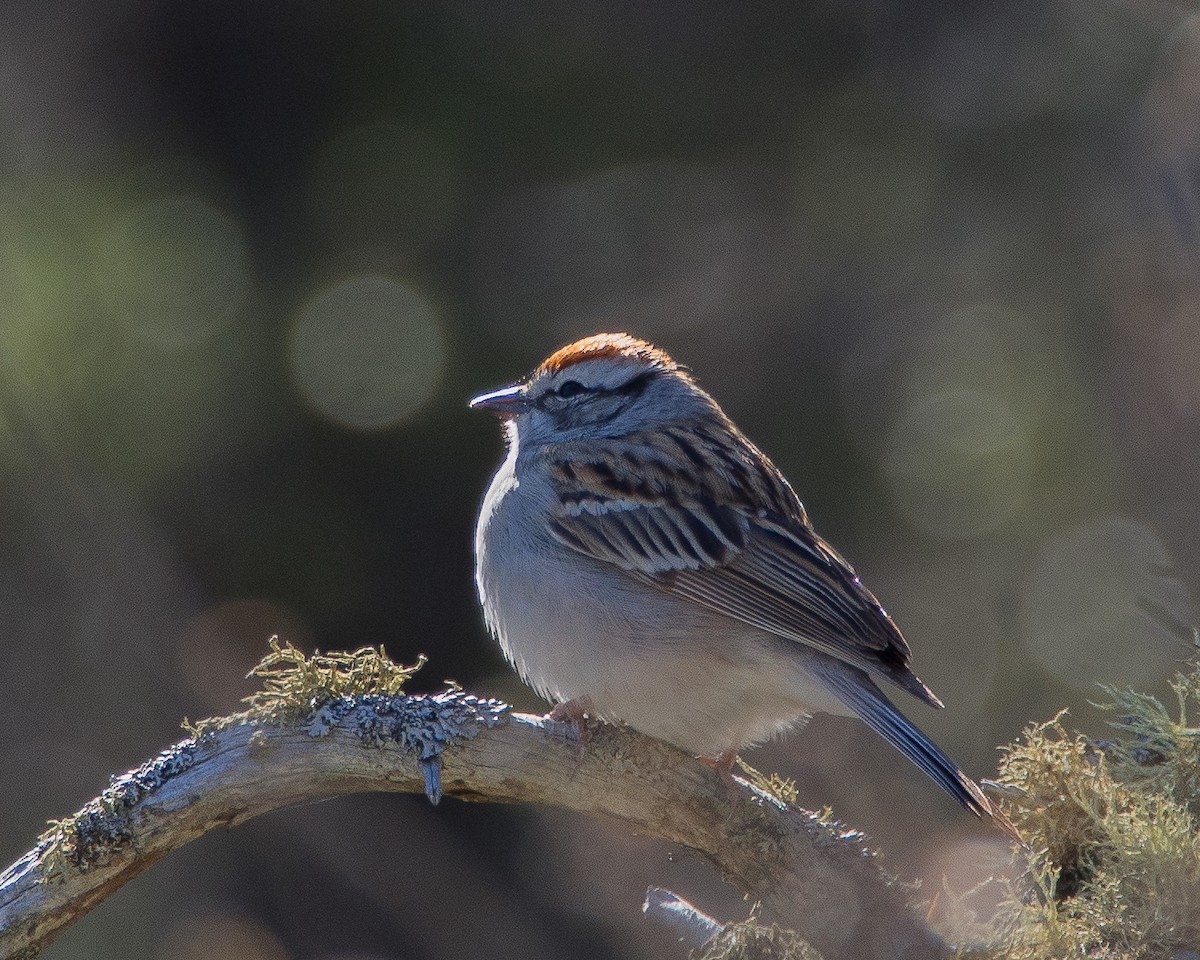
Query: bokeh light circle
[(958, 464), (367, 352), (174, 270), (979, 870)]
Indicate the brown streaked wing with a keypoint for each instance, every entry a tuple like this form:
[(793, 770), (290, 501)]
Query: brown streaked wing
[(655, 538), (734, 539), (711, 462), (789, 582)]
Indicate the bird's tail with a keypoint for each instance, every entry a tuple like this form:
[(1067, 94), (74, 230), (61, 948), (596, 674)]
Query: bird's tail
[(859, 692)]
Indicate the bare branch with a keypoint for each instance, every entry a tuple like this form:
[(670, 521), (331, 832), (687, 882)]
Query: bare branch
[(810, 874)]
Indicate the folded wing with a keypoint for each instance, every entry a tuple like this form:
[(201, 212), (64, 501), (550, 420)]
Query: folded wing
[(721, 547)]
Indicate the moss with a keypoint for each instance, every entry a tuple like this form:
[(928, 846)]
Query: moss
[(294, 684), (1113, 826), (782, 788), (94, 834), (321, 690)]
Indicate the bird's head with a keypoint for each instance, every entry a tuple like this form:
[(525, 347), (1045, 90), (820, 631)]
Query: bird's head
[(606, 385)]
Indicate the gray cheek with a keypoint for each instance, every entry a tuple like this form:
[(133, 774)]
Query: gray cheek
[(590, 419), (537, 428)]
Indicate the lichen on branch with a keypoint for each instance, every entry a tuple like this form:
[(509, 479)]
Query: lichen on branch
[(360, 691), (329, 725), (1113, 824), (295, 683)]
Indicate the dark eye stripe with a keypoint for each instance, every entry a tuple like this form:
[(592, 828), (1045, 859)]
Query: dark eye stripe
[(637, 384), (568, 389)]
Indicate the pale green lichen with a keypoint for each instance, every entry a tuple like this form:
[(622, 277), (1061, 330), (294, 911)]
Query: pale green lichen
[(1113, 823), (782, 788), (1114, 830), (293, 684)]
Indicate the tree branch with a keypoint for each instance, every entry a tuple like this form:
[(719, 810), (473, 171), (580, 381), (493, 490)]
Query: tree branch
[(811, 874)]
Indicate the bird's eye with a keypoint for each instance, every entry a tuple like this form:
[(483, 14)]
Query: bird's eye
[(569, 389)]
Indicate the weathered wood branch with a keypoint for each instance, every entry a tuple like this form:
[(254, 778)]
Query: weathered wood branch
[(811, 875)]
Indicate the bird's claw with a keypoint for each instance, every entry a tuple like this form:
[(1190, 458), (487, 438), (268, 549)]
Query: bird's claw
[(723, 765), (575, 713)]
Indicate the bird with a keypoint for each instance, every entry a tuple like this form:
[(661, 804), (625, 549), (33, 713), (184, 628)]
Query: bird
[(641, 561)]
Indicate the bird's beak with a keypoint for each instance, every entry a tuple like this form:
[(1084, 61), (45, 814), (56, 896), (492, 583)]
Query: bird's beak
[(509, 402)]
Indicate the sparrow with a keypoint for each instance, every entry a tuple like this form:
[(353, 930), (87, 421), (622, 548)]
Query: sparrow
[(641, 561)]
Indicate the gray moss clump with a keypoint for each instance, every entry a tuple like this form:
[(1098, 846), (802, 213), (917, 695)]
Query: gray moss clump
[(424, 725), (361, 691), (94, 834)]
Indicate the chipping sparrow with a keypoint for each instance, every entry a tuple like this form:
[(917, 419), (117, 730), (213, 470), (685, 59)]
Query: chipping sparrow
[(640, 560)]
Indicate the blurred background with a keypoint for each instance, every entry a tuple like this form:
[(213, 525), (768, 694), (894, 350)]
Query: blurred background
[(940, 261)]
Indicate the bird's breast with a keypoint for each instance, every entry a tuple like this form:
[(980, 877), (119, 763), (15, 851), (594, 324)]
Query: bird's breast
[(574, 626), (549, 608)]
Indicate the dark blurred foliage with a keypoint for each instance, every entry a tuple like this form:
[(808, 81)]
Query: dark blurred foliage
[(940, 260)]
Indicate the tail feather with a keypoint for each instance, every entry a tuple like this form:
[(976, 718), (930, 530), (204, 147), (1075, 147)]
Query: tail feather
[(859, 692)]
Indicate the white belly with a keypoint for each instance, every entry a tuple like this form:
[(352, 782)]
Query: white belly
[(578, 627)]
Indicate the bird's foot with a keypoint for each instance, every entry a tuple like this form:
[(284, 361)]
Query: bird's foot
[(574, 712), (723, 764)]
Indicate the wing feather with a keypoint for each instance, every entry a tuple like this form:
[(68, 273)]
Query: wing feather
[(735, 540)]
